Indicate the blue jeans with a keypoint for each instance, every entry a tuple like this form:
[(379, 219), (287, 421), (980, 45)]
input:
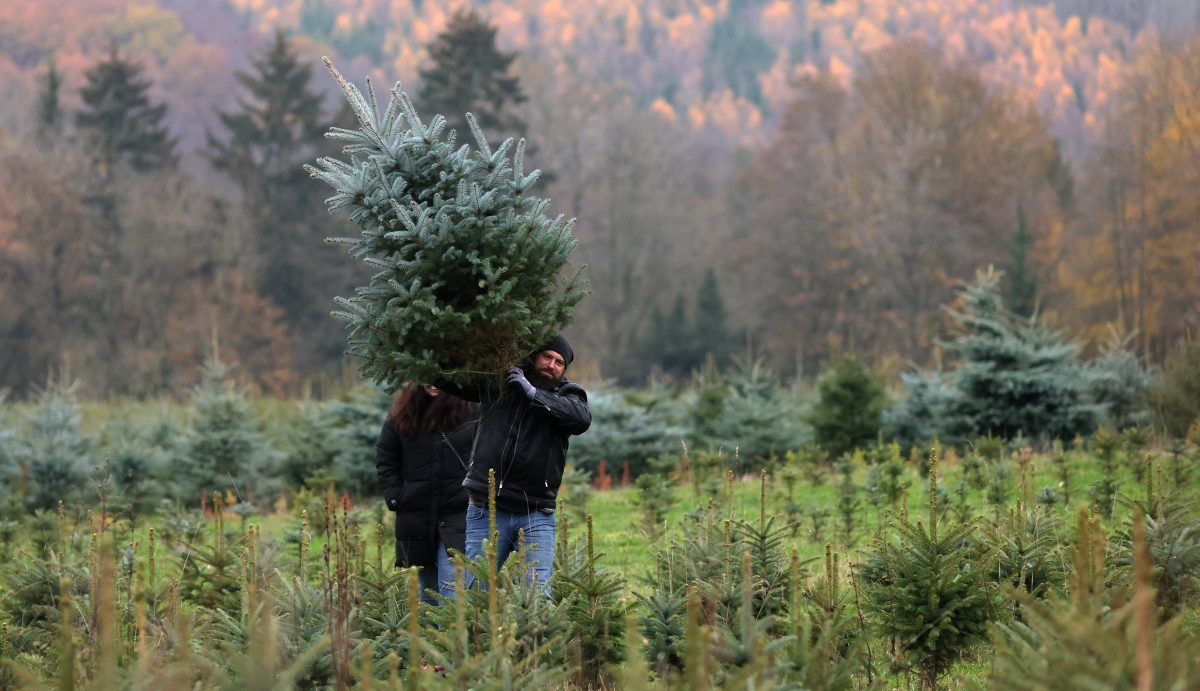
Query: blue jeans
[(439, 579), (539, 539)]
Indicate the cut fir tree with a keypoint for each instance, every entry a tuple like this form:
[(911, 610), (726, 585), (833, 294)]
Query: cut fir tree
[(470, 269)]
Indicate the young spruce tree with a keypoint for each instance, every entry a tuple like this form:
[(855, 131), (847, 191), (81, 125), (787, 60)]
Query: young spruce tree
[(848, 412), (54, 452), (469, 267), (1017, 376), (225, 450)]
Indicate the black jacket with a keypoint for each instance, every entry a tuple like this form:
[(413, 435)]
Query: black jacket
[(525, 441), (421, 479)]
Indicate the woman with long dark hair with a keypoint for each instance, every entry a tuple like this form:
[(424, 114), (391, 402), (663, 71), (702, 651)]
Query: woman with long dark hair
[(421, 459)]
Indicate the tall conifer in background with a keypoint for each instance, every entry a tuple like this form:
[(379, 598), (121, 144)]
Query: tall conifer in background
[(277, 126), (467, 73), (1021, 285), (49, 108), (121, 123), (711, 325), (680, 345), (124, 133)]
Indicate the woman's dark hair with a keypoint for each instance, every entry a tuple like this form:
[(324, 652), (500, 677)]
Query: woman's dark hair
[(415, 411)]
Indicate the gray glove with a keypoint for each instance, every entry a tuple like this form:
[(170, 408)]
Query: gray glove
[(516, 376)]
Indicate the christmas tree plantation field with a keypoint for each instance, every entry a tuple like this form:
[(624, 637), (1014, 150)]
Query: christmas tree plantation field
[(815, 576)]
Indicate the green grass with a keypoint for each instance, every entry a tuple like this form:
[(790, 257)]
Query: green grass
[(621, 535)]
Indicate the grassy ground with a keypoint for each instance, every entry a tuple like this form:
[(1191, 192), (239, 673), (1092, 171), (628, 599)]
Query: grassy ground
[(621, 532)]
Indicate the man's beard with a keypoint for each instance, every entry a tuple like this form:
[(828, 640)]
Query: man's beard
[(543, 381)]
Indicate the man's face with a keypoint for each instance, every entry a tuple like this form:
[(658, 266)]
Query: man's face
[(548, 368)]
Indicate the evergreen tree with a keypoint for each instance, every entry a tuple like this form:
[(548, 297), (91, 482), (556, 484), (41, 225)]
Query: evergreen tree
[(1118, 383), (674, 337), (711, 390), (681, 345), (469, 267), (356, 419), (756, 418), (120, 118), (626, 429), (667, 342), (467, 73), (1017, 377), (1021, 287), (277, 126), (55, 453), (8, 455), (49, 109), (709, 327), (927, 585), (925, 412), (850, 406), (224, 449)]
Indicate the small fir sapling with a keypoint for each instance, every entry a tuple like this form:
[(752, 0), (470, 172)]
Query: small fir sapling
[(1133, 441), (469, 266), (1061, 460), (654, 499), (1104, 635), (928, 588), (1106, 445), (848, 502)]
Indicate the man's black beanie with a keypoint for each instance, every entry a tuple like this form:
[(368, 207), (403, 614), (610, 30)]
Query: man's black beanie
[(559, 345)]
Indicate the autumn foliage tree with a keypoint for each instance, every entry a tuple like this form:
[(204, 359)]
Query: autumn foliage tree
[(889, 191), (1131, 258)]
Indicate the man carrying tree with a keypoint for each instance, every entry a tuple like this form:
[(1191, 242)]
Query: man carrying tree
[(468, 278), (523, 437)]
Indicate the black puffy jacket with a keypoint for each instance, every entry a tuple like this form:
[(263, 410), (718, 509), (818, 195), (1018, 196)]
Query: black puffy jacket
[(421, 478), (525, 440)]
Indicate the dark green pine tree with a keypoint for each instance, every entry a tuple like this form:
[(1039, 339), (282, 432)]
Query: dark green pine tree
[(1021, 287), (278, 122), (849, 409), (668, 342), (710, 328), (121, 122), (1017, 377), (49, 108), (467, 73), (277, 126)]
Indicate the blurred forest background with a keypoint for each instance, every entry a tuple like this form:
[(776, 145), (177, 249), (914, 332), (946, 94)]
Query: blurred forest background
[(797, 178)]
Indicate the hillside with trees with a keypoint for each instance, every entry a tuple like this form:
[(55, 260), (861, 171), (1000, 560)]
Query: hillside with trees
[(828, 173)]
